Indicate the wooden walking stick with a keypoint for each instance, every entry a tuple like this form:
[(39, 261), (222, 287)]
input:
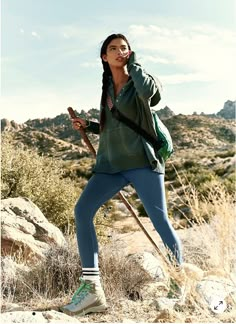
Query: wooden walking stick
[(123, 199)]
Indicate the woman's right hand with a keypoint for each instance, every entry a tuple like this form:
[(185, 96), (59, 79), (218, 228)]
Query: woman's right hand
[(77, 123)]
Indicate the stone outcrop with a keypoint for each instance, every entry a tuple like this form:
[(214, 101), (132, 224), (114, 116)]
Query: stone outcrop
[(228, 111), (7, 125), (165, 113), (26, 230)]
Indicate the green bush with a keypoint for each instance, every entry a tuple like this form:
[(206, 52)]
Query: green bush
[(229, 183), (39, 178), (225, 154)]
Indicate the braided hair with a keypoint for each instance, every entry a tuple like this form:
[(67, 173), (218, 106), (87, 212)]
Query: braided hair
[(106, 74)]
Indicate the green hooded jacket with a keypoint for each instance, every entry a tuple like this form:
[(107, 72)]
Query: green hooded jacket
[(121, 148)]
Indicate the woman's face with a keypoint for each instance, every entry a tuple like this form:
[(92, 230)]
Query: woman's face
[(117, 53)]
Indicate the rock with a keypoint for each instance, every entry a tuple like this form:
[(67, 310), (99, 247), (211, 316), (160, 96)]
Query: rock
[(228, 111), (37, 317), (214, 288), (152, 265), (26, 230), (7, 125), (165, 113), (164, 303)]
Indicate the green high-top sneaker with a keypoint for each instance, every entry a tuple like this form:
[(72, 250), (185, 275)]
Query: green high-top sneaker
[(89, 298)]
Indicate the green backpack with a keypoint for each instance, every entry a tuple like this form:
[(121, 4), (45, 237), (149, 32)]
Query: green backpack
[(164, 137), (162, 143)]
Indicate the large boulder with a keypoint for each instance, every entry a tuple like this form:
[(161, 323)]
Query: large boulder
[(26, 230)]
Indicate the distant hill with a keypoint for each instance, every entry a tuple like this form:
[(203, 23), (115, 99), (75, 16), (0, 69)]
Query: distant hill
[(201, 132), (10, 125), (228, 111), (52, 136), (165, 113), (56, 137), (204, 147)]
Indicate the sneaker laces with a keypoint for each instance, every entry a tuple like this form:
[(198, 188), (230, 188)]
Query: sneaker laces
[(81, 292)]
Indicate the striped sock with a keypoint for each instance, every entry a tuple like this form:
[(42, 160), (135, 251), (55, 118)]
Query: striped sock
[(91, 274)]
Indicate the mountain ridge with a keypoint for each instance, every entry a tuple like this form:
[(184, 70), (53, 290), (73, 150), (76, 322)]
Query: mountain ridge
[(227, 112), (56, 137)]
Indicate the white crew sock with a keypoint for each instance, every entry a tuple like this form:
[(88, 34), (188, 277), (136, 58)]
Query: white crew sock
[(91, 274)]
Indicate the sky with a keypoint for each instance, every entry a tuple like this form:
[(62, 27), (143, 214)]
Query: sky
[(50, 52)]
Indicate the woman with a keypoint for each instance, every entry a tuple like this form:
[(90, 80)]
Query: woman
[(123, 158)]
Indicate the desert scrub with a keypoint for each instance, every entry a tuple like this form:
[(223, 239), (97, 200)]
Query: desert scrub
[(57, 276), (122, 276), (39, 178), (215, 216), (84, 168), (197, 175), (225, 154), (58, 273)]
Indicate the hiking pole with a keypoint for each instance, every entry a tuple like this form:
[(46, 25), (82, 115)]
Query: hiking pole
[(121, 196)]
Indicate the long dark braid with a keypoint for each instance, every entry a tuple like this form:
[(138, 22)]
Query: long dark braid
[(105, 83), (106, 74)]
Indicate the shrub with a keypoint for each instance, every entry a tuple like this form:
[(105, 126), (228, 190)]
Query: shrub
[(213, 246), (57, 276), (39, 178), (225, 154), (52, 277)]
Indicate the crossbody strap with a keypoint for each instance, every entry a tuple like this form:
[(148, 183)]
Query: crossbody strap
[(157, 144)]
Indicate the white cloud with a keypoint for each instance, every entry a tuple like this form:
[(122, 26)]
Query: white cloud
[(35, 35), (93, 64), (183, 78), (155, 59), (202, 50)]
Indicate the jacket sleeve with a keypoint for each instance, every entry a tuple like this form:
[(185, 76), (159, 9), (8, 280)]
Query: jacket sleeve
[(145, 85), (92, 127)]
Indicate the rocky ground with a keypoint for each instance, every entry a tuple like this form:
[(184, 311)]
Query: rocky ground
[(153, 303)]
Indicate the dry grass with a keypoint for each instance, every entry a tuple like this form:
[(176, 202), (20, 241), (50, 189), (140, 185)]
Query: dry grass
[(57, 276), (211, 240), (209, 245)]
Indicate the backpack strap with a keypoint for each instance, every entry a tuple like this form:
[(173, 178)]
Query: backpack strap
[(157, 144)]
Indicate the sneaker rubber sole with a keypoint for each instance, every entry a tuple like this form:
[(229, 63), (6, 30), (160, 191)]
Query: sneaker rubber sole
[(94, 309)]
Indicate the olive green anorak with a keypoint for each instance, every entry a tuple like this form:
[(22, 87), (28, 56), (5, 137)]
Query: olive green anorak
[(120, 147)]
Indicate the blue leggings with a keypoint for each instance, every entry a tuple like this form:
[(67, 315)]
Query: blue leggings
[(150, 188)]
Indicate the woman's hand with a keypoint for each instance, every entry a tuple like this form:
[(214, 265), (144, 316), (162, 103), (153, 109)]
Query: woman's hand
[(127, 55), (77, 123)]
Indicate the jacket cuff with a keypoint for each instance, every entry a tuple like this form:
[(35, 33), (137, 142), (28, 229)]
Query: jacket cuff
[(92, 127)]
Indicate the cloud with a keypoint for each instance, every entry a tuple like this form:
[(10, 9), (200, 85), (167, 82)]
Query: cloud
[(35, 35), (155, 59), (204, 51), (183, 78), (91, 64)]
